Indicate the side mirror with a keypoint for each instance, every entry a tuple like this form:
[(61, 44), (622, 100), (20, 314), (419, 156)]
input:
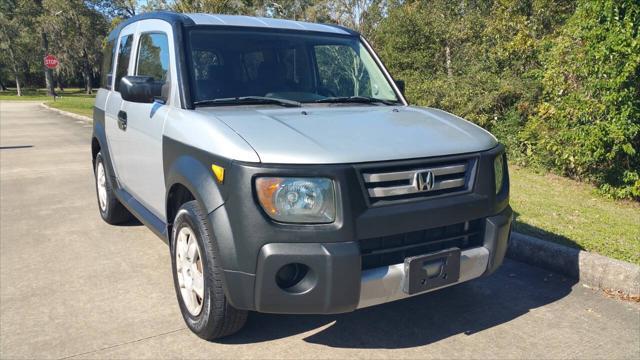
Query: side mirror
[(400, 85), (140, 89)]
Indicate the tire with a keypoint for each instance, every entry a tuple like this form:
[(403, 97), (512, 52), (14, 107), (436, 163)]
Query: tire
[(210, 316), (111, 210)]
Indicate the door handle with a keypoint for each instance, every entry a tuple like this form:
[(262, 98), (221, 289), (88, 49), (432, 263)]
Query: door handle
[(122, 120)]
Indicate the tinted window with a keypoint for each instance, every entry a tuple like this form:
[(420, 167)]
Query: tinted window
[(153, 56), (341, 71), (202, 60), (294, 66), (124, 54), (107, 64)]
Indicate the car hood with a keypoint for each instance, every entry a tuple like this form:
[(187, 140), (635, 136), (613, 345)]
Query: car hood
[(351, 134)]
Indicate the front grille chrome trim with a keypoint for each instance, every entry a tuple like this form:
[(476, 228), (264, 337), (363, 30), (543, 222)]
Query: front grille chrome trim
[(410, 174), (432, 178), (412, 189)]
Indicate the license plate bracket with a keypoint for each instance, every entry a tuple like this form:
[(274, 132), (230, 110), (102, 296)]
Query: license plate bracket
[(430, 271)]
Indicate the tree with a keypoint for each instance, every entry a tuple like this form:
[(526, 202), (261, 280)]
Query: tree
[(478, 59), (155, 5), (588, 124), (122, 9), (213, 6), (302, 10), (35, 20), (7, 45), (360, 15), (76, 31), (16, 18), (434, 46)]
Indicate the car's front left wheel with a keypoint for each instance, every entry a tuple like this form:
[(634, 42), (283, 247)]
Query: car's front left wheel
[(198, 277)]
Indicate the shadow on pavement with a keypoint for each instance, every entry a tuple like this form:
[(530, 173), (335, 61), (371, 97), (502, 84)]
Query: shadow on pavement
[(15, 147), (512, 291), (131, 222)]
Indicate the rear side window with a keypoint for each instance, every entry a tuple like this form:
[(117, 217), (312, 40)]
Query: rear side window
[(124, 54), (107, 64), (153, 56)]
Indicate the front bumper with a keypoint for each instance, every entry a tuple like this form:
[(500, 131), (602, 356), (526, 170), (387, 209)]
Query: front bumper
[(340, 285), (252, 247), (385, 284)]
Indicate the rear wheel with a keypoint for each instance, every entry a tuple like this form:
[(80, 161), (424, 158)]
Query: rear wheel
[(198, 278), (111, 210)]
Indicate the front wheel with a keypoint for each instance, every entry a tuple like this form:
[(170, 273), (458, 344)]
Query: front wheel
[(197, 277)]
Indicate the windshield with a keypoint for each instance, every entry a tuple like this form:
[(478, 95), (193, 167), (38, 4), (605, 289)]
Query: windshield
[(301, 67)]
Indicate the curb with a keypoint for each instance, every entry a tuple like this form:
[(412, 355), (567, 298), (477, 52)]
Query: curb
[(66, 113), (591, 269)]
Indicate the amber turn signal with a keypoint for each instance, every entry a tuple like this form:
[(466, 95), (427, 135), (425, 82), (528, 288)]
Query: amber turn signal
[(266, 187), (218, 172)]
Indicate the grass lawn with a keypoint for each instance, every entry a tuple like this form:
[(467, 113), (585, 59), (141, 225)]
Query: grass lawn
[(572, 213), (72, 100), (77, 105)]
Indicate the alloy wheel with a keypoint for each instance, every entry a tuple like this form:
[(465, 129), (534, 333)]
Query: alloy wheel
[(190, 271)]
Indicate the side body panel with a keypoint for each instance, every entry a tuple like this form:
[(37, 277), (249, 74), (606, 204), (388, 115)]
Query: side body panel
[(142, 145), (116, 136), (191, 144)]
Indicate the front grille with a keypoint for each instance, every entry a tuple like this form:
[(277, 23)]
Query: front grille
[(393, 249), (390, 183)]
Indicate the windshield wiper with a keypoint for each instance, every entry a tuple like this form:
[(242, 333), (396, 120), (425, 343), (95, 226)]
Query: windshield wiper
[(356, 99), (248, 100)]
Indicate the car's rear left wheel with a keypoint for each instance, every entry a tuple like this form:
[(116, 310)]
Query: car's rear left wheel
[(111, 210)]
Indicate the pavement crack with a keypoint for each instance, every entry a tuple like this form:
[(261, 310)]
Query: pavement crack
[(122, 344)]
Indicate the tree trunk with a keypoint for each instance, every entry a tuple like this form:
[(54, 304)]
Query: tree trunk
[(87, 81), (18, 88), (48, 73), (2, 87), (447, 54), (86, 73), (14, 63), (15, 70)]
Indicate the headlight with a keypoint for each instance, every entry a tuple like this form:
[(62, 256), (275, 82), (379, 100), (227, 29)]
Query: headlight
[(297, 200), (498, 171)]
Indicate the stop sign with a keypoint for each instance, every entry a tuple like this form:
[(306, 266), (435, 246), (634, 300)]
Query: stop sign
[(50, 61)]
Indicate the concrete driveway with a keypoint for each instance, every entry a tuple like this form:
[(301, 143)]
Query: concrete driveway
[(73, 286)]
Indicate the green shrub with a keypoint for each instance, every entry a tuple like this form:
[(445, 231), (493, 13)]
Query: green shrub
[(557, 81), (508, 130), (588, 126)]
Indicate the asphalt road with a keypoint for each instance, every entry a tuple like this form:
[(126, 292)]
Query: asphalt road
[(73, 286)]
